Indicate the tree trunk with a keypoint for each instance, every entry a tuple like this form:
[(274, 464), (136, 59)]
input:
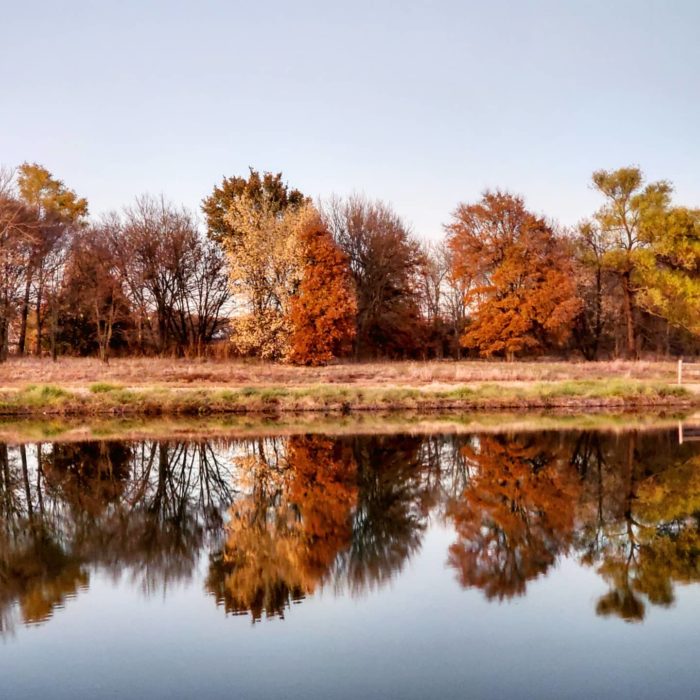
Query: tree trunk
[(39, 321), (628, 304), (54, 328), (598, 323), (23, 316), (4, 333)]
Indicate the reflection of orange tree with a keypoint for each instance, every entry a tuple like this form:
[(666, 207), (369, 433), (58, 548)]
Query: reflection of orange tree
[(656, 540), (516, 514), (283, 538)]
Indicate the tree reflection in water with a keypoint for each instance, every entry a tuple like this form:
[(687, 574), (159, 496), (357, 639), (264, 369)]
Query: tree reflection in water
[(516, 514), (641, 532), (144, 509), (280, 518), (284, 534)]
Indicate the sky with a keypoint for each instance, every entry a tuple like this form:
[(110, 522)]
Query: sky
[(421, 104)]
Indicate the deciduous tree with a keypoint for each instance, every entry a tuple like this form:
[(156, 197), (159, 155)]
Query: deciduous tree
[(18, 228), (265, 262), (176, 281), (323, 309), (266, 192), (60, 212), (385, 260), (523, 294)]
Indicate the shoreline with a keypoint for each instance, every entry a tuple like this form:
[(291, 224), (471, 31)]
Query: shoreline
[(115, 400), (19, 430)]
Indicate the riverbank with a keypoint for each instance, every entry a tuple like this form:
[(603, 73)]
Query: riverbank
[(177, 428), (156, 386), (104, 398)]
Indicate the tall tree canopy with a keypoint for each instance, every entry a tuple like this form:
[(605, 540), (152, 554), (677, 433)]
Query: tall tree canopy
[(291, 282), (651, 247), (266, 192), (626, 219), (523, 294), (385, 260), (264, 267), (59, 212), (39, 188), (324, 308)]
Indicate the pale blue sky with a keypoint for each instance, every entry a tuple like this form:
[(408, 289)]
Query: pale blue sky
[(423, 104)]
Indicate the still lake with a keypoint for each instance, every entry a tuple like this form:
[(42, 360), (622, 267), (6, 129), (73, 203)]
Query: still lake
[(531, 564)]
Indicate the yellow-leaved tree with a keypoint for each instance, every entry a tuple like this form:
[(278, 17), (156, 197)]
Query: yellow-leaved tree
[(265, 264), (291, 283)]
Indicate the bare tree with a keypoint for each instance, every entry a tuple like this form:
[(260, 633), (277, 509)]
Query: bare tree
[(454, 299), (175, 279), (18, 226), (385, 260)]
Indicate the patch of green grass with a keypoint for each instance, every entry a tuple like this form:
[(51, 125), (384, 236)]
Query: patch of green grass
[(104, 387), (36, 394), (125, 396)]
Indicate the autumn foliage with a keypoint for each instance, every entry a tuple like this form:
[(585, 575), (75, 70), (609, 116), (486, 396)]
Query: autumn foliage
[(282, 538), (523, 293), (516, 518), (277, 278), (324, 309)]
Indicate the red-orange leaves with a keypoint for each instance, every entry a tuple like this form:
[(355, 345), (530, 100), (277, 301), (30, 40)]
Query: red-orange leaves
[(323, 310), (523, 295)]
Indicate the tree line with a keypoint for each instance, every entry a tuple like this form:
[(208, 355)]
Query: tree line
[(273, 275)]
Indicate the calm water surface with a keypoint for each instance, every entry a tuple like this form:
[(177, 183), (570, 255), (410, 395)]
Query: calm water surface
[(513, 565)]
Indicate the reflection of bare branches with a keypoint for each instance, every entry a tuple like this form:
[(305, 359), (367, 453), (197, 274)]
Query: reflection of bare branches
[(391, 516), (143, 509)]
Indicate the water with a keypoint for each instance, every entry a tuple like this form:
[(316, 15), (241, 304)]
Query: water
[(540, 564)]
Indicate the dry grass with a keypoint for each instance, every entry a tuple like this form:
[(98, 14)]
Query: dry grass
[(78, 372), (171, 387)]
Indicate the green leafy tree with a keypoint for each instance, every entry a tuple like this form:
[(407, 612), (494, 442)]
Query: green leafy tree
[(670, 270), (652, 248)]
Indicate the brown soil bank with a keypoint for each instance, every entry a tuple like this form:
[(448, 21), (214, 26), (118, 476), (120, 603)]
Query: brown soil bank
[(105, 398)]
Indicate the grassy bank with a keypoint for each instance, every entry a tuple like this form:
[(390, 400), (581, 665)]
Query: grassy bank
[(105, 398)]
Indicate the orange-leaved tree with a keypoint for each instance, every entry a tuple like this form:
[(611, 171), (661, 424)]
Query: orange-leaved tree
[(522, 296), (517, 514), (324, 308)]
